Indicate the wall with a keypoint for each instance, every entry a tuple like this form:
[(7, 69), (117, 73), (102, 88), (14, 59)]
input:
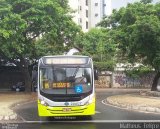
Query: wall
[(104, 81), (121, 80)]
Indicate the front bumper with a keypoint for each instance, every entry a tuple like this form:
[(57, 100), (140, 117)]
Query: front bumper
[(66, 111)]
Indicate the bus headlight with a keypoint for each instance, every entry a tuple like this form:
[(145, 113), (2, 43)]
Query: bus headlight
[(44, 103), (91, 99)]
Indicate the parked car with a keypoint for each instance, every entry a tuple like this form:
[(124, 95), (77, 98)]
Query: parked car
[(21, 87), (18, 87)]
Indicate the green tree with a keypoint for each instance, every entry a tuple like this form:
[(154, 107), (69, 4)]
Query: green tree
[(23, 22), (97, 44), (137, 30), (146, 1)]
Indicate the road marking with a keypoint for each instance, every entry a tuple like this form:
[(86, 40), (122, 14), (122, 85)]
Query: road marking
[(96, 121)]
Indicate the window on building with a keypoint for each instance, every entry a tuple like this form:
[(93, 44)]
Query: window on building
[(96, 4), (86, 13), (86, 2), (96, 15), (80, 20), (86, 25), (80, 7)]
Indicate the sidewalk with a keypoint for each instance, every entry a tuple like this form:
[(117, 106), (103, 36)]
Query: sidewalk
[(9, 99), (145, 101)]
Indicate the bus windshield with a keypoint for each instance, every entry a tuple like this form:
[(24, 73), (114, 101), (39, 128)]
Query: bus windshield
[(58, 80)]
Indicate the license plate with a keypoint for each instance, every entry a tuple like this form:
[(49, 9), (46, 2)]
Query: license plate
[(66, 109)]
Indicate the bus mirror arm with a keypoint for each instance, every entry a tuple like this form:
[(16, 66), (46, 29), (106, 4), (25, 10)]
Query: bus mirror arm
[(95, 74)]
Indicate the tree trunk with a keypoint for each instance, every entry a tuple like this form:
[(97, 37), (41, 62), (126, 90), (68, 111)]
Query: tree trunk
[(26, 74), (155, 82), (27, 79)]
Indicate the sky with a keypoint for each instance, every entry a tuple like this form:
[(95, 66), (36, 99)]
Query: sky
[(73, 3), (116, 4)]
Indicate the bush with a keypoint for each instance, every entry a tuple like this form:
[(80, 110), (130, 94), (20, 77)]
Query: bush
[(138, 72), (104, 66)]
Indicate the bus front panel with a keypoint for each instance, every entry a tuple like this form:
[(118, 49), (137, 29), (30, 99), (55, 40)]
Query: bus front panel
[(81, 110), (66, 91)]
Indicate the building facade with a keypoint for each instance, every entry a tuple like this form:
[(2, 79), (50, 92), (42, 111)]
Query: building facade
[(89, 12)]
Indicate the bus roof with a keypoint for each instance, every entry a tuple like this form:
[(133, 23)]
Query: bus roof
[(66, 56), (65, 60)]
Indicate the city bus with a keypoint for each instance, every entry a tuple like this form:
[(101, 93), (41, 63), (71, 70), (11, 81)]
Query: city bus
[(66, 86)]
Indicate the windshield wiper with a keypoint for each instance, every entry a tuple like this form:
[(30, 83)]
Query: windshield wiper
[(77, 68)]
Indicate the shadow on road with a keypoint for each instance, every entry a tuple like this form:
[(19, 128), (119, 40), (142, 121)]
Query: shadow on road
[(66, 118)]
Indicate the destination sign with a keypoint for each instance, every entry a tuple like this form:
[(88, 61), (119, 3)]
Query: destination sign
[(61, 85), (50, 60)]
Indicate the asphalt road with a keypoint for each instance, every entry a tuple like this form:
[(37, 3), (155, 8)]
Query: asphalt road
[(106, 116)]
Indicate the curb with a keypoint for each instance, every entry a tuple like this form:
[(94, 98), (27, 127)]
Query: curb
[(133, 107), (12, 116), (8, 117)]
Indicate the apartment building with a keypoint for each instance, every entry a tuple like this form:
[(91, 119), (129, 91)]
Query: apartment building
[(89, 12)]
